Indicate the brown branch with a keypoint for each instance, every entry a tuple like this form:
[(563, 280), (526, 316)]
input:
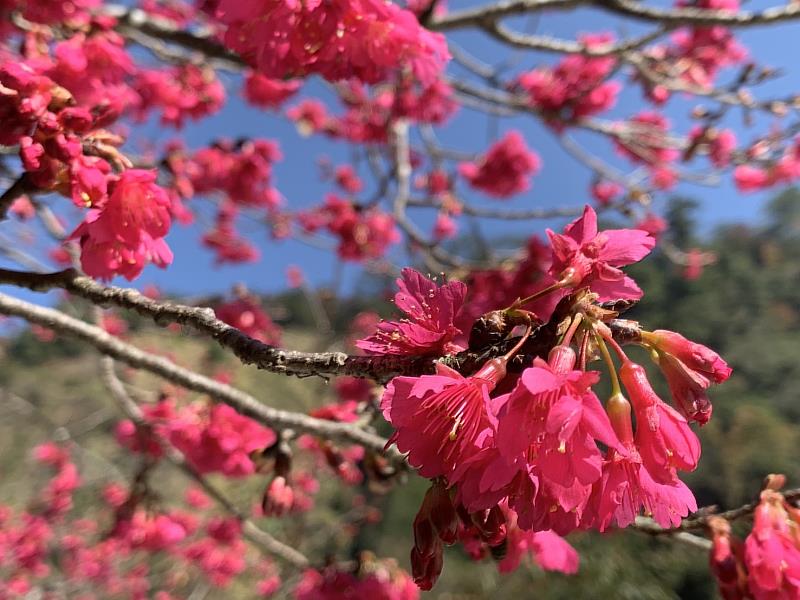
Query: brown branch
[(140, 23), (504, 214), (551, 44), (702, 516), (700, 16), (241, 401), (247, 349), (250, 530), (250, 351)]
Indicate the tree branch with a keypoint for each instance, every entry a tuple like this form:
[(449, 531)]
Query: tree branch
[(629, 8), (551, 44), (250, 351), (241, 401), (247, 349)]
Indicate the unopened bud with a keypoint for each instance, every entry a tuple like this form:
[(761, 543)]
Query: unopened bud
[(619, 413)]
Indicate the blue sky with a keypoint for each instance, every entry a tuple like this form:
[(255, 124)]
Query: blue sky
[(561, 181)]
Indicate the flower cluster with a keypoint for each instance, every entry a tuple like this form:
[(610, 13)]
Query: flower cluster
[(505, 169), (180, 93), (647, 143), (535, 449), (366, 40), (126, 231), (576, 88), (369, 113), (213, 439), (767, 565), (362, 234), (110, 549)]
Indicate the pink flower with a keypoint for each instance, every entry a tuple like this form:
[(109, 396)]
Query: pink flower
[(750, 179), (721, 148), (505, 169), (652, 224), (690, 369), (605, 192), (128, 230), (182, 92), (347, 179), (771, 551), (553, 416), (663, 437), (576, 88), (627, 488), (441, 420), (548, 549), (278, 498), (268, 93), (362, 234), (445, 227), (590, 258), (727, 560), (696, 357), (431, 310), (226, 242), (104, 257), (295, 277)]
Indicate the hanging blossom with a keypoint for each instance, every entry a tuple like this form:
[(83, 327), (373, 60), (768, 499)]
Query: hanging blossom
[(505, 169), (726, 560), (690, 369), (576, 87), (362, 234), (366, 40), (128, 230), (213, 439), (514, 455), (431, 311), (772, 551)]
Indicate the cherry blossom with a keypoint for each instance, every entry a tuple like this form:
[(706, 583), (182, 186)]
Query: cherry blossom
[(505, 168), (431, 311), (586, 257)]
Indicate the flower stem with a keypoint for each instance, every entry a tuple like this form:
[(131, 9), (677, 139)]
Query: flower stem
[(549, 289), (576, 321), (508, 355), (617, 348), (612, 369)]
